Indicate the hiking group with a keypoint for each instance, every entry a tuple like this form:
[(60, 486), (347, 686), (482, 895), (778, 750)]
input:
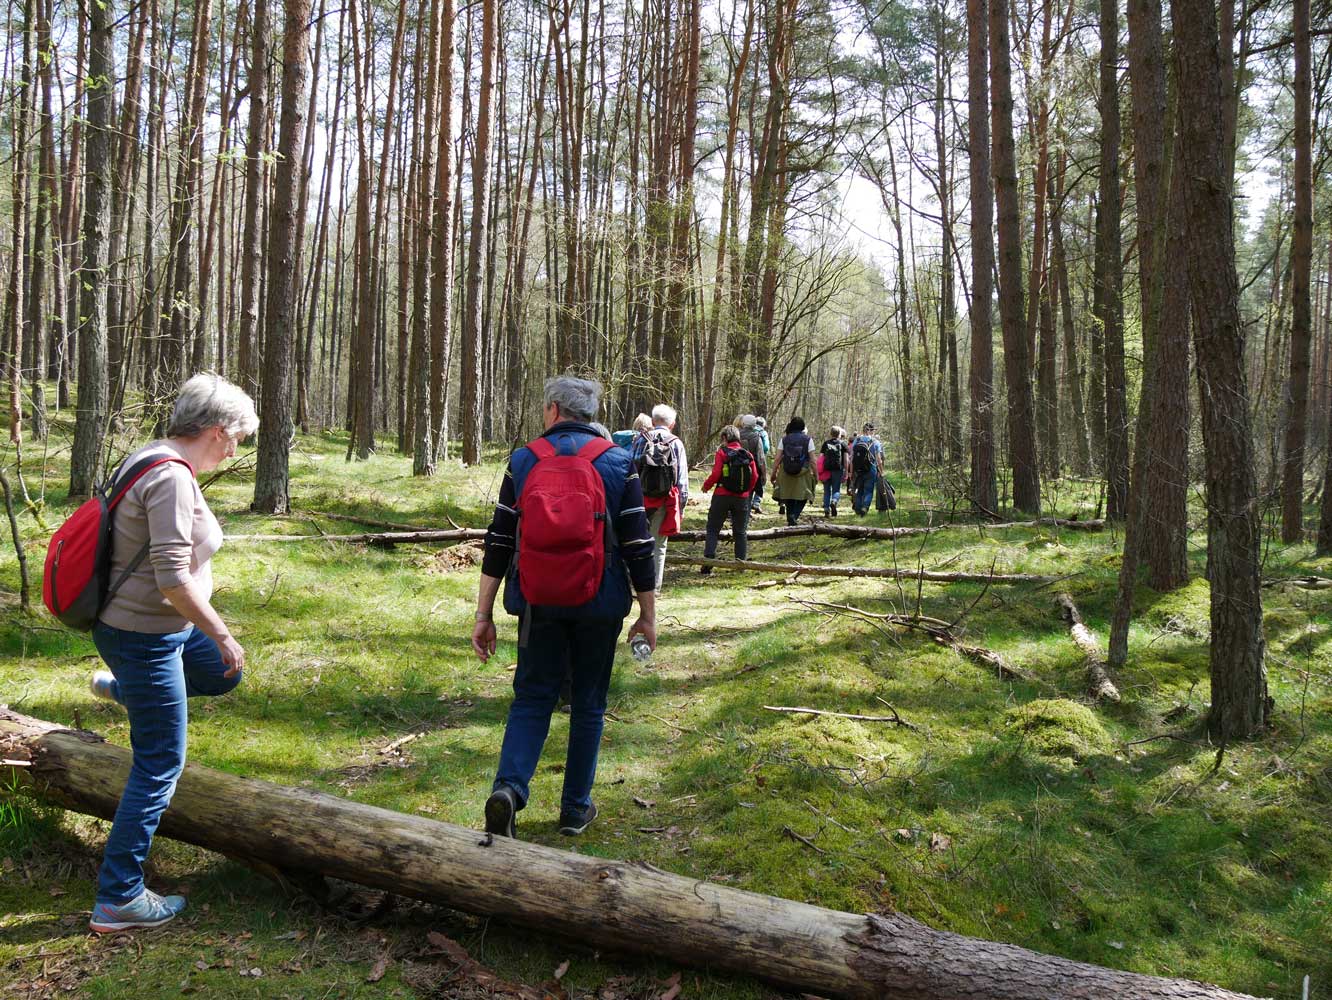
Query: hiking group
[(578, 535)]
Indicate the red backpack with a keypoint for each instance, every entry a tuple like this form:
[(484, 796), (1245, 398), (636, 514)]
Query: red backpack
[(563, 526), (76, 583)]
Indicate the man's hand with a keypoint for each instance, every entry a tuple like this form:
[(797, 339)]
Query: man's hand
[(646, 627), (483, 639), (232, 655)]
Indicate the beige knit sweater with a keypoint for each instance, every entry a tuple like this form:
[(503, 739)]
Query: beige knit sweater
[(166, 509)]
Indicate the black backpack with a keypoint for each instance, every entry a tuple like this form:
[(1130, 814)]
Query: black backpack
[(795, 453), (737, 470), (832, 455), (656, 465), (752, 442), (860, 456)]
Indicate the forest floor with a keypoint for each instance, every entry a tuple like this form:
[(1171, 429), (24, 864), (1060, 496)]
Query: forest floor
[(1012, 810)]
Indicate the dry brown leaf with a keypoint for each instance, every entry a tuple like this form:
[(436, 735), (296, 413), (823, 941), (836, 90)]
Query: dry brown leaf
[(561, 969), (380, 967), (940, 842)]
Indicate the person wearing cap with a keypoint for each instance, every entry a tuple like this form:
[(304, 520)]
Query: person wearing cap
[(866, 469)]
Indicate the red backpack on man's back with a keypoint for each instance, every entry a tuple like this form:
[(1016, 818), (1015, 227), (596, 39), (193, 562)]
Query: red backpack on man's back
[(563, 526)]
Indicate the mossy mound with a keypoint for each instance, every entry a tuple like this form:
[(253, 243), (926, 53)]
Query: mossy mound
[(1057, 730)]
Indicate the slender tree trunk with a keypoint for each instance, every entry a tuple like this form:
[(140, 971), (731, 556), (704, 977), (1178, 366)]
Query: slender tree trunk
[(1021, 408), (271, 479), (1301, 266), (442, 241), (21, 175), (1111, 315), (1240, 702), (984, 492), (474, 334), (251, 248), (90, 424)]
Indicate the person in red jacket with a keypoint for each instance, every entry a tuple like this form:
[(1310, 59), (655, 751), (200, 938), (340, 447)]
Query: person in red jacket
[(734, 474)]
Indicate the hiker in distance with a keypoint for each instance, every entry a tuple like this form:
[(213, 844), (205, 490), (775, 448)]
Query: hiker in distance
[(834, 457), (761, 457), (793, 470), (734, 474), (866, 469), (663, 471), (752, 440), (158, 632), (580, 504)]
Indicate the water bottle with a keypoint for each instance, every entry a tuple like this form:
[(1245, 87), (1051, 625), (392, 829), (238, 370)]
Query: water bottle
[(642, 650)]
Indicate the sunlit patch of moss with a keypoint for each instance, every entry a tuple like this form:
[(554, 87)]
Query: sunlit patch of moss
[(1057, 730)]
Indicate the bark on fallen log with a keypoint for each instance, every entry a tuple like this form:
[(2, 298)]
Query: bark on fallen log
[(1099, 684), (892, 573), (620, 905)]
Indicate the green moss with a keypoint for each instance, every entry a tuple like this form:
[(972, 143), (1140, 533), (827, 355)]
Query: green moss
[(1057, 729)]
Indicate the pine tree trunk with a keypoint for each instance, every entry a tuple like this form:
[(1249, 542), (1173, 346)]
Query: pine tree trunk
[(272, 493), (90, 424), (984, 492), (1017, 366), (442, 242), (251, 249), (1301, 266), (1240, 702), (1111, 315), (20, 174)]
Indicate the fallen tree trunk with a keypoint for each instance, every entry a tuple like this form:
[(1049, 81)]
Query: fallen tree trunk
[(619, 905), (892, 573), (854, 531), (848, 531), (1099, 684)]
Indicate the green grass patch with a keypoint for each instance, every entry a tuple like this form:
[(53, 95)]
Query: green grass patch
[(1010, 810)]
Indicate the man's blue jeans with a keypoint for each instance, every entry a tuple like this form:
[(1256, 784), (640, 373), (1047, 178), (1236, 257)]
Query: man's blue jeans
[(832, 490), (155, 674), (553, 646), (865, 483)]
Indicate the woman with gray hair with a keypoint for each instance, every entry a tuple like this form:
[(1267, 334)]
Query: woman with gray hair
[(159, 633)]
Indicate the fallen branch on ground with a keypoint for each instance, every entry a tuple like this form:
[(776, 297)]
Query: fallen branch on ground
[(620, 905), (940, 631), (1303, 582), (895, 719), (371, 522), (374, 538), (1099, 684), (854, 571)]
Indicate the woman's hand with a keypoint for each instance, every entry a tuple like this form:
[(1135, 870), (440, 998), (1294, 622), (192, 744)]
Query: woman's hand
[(233, 655)]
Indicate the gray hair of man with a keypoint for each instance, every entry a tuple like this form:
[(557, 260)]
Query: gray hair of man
[(730, 433), (838, 432), (748, 421), (208, 400), (577, 398), (761, 421), (663, 415)]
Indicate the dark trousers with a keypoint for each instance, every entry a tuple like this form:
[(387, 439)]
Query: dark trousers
[(553, 647), (737, 510), (794, 508)]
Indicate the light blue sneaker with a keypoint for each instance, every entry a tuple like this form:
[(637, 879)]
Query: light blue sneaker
[(147, 910), (103, 685)]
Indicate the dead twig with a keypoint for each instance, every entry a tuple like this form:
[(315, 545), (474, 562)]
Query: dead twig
[(895, 718)]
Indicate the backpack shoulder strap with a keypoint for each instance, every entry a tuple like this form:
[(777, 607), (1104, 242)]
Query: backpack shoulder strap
[(126, 480), (541, 448), (595, 448)]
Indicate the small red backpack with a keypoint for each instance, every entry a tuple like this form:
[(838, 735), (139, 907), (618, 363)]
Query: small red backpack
[(563, 526), (76, 583)]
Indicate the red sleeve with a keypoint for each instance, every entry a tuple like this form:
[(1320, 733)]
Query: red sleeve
[(715, 478)]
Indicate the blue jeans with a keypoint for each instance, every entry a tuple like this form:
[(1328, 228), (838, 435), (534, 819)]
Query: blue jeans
[(832, 490), (865, 484), (155, 674), (552, 646)]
